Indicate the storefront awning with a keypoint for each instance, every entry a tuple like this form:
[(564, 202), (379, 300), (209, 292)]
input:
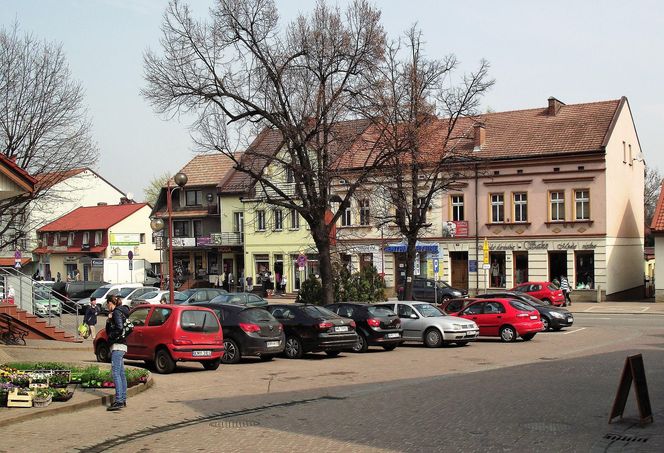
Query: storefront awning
[(402, 247)]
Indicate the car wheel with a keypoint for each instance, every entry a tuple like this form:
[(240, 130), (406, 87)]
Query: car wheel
[(231, 352), (361, 345), (545, 321), (389, 347), (266, 357), (293, 349), (528, 336), (103, 352), (211, 365), (332, 353), (163, 362), (433, 338), (507, 333)]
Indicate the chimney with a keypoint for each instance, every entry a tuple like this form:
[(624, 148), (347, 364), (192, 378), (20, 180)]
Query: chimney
[(554, 106), (480, 136)]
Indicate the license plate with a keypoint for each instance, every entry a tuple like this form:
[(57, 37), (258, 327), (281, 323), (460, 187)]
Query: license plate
[(201, 353), (273, 344), (392, 335), (471, 333), (533, 316), (570, 319), (341, 329)]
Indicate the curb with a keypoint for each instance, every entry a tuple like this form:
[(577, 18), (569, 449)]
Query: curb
[(618, 313), (100, 401)]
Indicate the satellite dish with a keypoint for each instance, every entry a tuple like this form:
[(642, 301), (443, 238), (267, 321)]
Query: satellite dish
[(130, 196)]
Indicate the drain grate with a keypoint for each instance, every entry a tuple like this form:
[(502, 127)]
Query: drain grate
[(233, 424), (622, 438)]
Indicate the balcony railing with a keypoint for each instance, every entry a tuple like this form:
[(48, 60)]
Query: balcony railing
[(227, 238)]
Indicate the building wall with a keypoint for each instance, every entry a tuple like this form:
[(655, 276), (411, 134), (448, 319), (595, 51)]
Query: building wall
[(137, 223), (8, 188)]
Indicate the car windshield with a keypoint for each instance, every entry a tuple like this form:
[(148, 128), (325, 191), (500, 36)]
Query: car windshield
[(442, 284), (520, 305), (150, 295), (552, 287), (380, 311), (428, 310), (187, 292), (124, 292), (100, 292), (317, 312)]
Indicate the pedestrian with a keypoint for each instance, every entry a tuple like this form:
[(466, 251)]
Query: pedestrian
[(564, 286), (58, 277), (90, 317), (250, 284), (115, 330), (77, 275), (284, 282)]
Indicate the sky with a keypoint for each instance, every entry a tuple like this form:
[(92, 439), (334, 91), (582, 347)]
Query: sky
[(572, 50)]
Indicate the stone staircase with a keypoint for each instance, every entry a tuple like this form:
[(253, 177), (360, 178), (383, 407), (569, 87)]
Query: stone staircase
[(38, 329)]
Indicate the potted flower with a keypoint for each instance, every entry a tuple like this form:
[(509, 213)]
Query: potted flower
[(42, 398), (20, 380), (61, 394), (5, 388)]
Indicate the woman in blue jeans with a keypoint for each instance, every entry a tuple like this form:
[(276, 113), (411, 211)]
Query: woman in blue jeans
[(114, 326)]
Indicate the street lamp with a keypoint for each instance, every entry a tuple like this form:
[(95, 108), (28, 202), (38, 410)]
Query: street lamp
[(158, 225)]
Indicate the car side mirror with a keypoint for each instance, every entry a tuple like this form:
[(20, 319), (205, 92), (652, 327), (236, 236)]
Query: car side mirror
[(413, 316)]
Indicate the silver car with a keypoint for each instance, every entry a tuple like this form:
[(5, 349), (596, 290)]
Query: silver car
[(424, 323)]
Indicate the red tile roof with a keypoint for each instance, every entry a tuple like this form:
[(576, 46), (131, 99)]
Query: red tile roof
[(66, 250), (93, 217), (16, 173), (52, 178), (206, 169), (657, 225), (10, 262)]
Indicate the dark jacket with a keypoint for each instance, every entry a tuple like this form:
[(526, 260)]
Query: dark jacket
[(115, 323), (90, 317)]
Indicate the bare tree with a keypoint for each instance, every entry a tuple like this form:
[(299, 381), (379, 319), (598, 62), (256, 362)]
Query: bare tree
[(151, 192), (653, 185), (426, 120), (241, 73), (43, 125)]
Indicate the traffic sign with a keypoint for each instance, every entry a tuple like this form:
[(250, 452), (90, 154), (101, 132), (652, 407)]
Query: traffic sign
[(436, 267), (130, 255), (301, 261)]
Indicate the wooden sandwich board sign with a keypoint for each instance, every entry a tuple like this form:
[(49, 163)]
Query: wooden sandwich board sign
[(633, 370)]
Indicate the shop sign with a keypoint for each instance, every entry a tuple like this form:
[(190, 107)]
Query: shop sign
[(97, 262), (125, 239), (472, 265), (184, 242), (455, 229), (541, 245), (203, 241)]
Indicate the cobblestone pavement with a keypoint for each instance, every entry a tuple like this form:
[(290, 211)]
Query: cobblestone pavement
[(550, 394)]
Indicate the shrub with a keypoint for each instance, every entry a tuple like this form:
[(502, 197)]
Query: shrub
[(311, 292), (364, 286)]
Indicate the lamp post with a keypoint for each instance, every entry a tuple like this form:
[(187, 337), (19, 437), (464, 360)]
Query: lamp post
[(158, 225)]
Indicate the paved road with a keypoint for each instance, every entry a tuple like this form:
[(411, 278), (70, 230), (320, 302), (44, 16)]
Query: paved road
[(550, 394)]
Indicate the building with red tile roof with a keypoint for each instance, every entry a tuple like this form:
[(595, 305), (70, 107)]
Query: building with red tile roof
[(14, 180), (657, 229)]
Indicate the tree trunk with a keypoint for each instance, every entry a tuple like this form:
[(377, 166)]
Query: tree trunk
[(325, 263), (411, 252)]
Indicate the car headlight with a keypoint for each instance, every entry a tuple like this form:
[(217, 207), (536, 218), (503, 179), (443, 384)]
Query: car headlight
[(557, 314), (457, 326), (456, 293)]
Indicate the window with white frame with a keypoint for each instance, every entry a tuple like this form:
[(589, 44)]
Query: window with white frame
[(294, 220), (346, 219), (70, 239), (457, 208), (194, 197), (56, 239), (278, 219), (365, 212), (86, 238), (497, 207), (520, 207), (557, 202), (582, 204), (260, 220), (238, 222), (98, 237)]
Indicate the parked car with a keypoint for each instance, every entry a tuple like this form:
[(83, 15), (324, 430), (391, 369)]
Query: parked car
[(544, 291), (422, 322), (455, 305), (375, 326), (166, 334), (122, 290), (504, 318), (69, 292), (427, 290), (248, 299), (554, 318), (310, 328), (200, 295), (136, 293), (45, 304), (155, 296), (248, 331)]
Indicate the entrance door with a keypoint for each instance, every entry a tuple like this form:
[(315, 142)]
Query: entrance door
[(459, 262), (557, 265)]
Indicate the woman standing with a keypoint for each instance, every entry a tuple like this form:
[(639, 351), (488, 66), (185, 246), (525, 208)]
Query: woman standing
[(114, 329)]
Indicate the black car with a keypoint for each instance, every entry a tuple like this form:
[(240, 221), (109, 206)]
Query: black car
[(247, 299), (426, 290), (374, 325), (195, 295), (248, 331), (310, 328), (553, 318)]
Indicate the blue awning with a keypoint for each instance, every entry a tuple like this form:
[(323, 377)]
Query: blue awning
[(402, 247)]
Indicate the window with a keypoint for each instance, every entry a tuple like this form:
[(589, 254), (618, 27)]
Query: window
[(422, 206), (582, 204), (98, 237), (497, 208), (294, 220), (289, 175), (159, 316), (138, 316), (194, 197), (198, 228), (475, 309), (457, 208), (199, 321), (493, 308), (364, 211), (278, 219), (346, 219), (631, 160), (557, 201), (238, 222), (45, 238), (520, 207), (180, 228), (405, 311), (86, 238), (56, 240), (584, 267), (260, 220), (70, 239)]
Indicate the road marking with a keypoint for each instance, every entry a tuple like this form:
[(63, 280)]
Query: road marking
[(642, 309), (572, 331)]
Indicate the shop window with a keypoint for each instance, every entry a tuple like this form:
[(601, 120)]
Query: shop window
[(520, 260), (497, 269), (557, 265), (520, 207), (497, 208), (457, 208), (262, 268), (582, 204), (260, 220), (557, 205), (194, 197), (584, 266), (181, 228)]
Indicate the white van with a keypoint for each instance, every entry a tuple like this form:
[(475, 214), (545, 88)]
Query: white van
[(120, 289)]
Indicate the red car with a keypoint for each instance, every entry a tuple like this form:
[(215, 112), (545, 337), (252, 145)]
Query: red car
[(544, 291), (504, 318), (166, 334)]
